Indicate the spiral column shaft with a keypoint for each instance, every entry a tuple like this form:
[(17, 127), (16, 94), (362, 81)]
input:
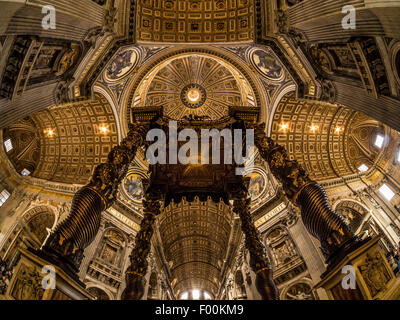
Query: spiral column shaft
[(77, 231), (137, 270), (258, 258), (318, 217)]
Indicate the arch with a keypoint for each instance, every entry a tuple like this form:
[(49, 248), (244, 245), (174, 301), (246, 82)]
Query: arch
[(240, 286), (336, 203), (353, 212), (99, 289), (395, 61), (30, 219), (28, 213), (305, 282), (282, 93), (151, 65), (113, 105), (28, 231), (153, 291), (332, 149)]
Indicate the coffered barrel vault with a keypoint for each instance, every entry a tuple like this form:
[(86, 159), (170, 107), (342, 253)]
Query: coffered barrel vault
[(70, 140), (330, 141), (194, 21), (195, 238)]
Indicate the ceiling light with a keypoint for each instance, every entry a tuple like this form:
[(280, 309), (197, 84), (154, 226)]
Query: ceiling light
[(338, 130), (398, 156), (314, 128), (379, 141), (386, 192), (50, 132), (363, 168), (184, 295), (103, 129), (284, 126), (8, 145)]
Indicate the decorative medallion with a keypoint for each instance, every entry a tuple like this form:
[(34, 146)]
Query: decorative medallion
[(133, 186), (193, 96), (261, 188), (122, 64), (256, 186), (266, 64)]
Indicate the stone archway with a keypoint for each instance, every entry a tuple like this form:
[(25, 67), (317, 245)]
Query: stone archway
[(31, 230), (100, 294)]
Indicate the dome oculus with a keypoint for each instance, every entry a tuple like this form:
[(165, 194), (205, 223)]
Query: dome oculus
[(193, 96)]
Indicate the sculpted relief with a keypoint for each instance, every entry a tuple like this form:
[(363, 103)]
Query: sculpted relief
[(300, 291), (28, 285)]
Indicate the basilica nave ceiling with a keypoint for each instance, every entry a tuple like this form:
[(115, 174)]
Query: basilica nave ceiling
[(69, 95)]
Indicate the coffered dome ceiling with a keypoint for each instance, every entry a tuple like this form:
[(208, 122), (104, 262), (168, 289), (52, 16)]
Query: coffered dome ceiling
[(196, 85)]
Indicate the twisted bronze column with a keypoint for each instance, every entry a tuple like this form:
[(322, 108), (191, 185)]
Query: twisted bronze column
[(66, 244), (137, 270), (258, 258), (320, 219)]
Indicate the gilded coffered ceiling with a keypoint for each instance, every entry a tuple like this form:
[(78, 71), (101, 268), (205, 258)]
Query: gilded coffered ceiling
[(198, 80), (195, 238), (69, 95), (328, 140), (197, 85), (65, 143), (194, 20)]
